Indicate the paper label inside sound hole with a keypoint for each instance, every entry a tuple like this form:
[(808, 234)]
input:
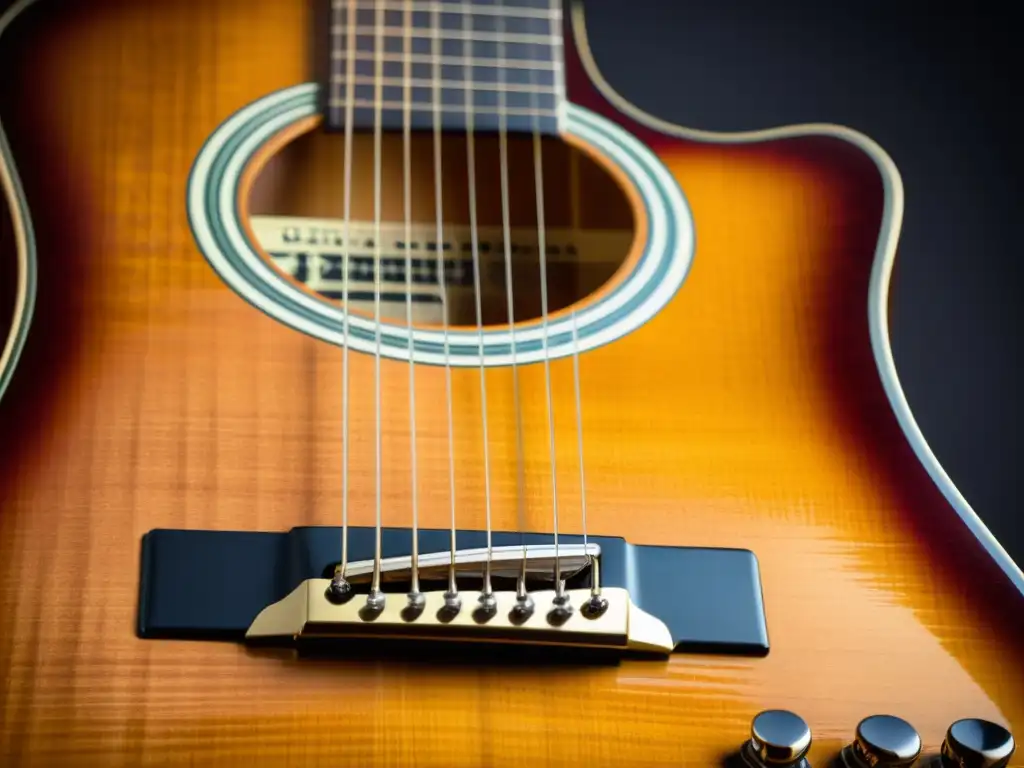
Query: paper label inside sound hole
[(312, 251)]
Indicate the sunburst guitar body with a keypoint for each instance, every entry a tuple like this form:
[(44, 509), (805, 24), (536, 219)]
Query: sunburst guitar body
[(290, 287)]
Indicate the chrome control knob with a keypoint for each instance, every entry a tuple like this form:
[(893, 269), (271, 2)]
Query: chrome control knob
[(777, 738), (977, 744), (883, 740)]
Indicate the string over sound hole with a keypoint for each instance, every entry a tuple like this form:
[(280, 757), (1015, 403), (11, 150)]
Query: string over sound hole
[(297, 218)]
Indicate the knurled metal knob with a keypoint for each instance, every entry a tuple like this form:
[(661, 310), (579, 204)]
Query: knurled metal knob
[(883, 740), (777, 738), (974, 743)]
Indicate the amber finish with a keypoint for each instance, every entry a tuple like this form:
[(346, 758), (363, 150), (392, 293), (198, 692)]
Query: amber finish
[(747, 414)]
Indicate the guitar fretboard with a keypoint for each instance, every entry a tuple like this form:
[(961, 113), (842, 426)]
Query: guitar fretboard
[(481, 64)]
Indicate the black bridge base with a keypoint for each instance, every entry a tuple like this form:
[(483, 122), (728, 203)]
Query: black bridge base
[(211, 584)]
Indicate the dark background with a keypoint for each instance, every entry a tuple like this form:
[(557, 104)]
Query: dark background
[(938, 87)]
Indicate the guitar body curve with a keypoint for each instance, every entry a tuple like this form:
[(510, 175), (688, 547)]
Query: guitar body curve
[(19, 276), (751, 410)]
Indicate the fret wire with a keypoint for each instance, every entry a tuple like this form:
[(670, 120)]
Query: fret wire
[(426, 58), (460, 109), (558, 55), (474, 86), (554, 12), (474, 37)]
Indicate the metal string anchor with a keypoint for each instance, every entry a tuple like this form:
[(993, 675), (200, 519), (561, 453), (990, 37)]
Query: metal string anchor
[(561, 606), (376, 602), (452, 601), (524, 607), (413, 609), (452, 606), (487, 605), (339, 591), (597, 604)]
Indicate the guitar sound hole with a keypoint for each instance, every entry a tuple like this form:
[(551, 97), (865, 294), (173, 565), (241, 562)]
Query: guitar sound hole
[(297, 215)]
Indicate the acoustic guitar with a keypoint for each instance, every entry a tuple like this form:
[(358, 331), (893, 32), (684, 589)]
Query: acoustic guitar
[(382, 388)]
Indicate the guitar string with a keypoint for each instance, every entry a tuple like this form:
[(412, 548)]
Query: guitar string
[(538, 164), (506, 224), (443, 281), (376, 597), (467, 21), (341, 574), (435, 44), (595, 584), (414, 579)]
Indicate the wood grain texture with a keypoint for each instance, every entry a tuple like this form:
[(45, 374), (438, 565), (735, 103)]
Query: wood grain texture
[(748, 413)]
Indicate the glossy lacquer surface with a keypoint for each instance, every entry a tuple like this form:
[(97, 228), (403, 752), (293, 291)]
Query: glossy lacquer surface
[(747, 414)]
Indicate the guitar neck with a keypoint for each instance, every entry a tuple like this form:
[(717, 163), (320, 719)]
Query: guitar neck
[(454, 65)]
